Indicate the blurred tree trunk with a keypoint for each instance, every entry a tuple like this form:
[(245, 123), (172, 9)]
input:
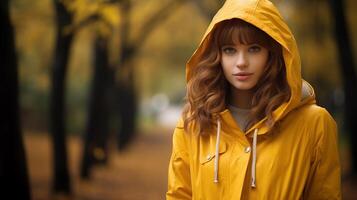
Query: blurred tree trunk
[(128, 112), (97, 131), (348, 74), (126, 88), (61, 179), (13, 165)]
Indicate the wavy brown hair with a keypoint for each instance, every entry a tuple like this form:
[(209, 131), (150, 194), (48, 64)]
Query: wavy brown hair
[(208, 89)]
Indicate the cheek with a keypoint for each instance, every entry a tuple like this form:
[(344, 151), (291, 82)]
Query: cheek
[(261, 62), (226, 65), (225, 72)]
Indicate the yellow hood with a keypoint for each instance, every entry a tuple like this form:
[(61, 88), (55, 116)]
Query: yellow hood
[(264, 15)]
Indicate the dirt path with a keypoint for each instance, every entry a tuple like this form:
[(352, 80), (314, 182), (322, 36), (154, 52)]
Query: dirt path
[(139, 173)]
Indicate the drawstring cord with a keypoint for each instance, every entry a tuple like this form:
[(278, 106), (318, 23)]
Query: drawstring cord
[(254, 160), (254, 157), (217, 152)]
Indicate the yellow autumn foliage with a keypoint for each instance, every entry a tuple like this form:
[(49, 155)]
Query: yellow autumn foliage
[(159, 65)]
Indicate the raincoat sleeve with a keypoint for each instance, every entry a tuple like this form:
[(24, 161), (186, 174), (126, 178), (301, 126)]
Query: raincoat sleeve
[(324, 180), (179, 183)]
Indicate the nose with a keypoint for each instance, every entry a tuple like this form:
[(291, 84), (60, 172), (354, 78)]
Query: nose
[(242, 60)]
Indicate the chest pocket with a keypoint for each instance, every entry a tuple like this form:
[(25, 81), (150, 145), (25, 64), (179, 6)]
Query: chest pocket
[(210, 154), (207, 162)]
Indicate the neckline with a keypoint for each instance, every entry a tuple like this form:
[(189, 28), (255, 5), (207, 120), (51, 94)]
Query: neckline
[(237, 109)]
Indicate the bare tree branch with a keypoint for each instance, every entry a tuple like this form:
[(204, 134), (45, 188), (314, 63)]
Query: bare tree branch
[(76, 27), (156, 19)]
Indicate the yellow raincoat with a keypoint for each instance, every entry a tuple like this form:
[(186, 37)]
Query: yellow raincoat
[(297, 159)]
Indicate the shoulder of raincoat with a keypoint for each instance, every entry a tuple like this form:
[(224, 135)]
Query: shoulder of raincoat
[(296, 159)]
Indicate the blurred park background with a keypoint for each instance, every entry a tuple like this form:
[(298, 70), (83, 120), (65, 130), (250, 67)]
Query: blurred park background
[(93, 89)]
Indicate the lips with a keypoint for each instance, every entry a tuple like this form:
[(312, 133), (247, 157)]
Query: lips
[(242, 76)]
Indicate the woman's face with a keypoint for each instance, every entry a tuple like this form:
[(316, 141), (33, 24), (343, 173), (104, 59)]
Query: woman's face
[(243, 65)]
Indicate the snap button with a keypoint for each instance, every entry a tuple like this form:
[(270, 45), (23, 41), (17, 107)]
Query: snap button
[(208, 157), (247, 149)]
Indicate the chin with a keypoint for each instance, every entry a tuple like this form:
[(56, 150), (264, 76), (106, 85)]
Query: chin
[(243, 86)]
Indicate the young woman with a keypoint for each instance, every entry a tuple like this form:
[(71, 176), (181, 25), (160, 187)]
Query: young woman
[(251, 128)]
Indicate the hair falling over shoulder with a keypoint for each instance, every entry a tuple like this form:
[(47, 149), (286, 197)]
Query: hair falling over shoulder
[(207, 89), (206, 92)]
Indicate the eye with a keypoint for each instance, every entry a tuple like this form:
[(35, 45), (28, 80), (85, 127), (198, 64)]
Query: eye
[(254, 48), (228, 50)]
